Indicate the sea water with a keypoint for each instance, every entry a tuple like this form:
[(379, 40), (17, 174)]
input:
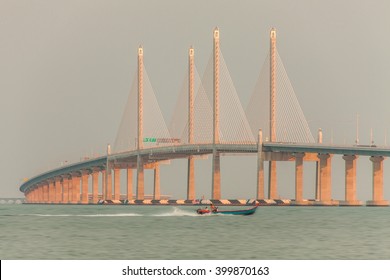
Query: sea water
[(171, 232)]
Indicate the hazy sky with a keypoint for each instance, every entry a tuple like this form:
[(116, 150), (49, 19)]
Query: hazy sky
[(66, 69)]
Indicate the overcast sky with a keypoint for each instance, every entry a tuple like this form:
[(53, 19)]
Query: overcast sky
[(66, 68)]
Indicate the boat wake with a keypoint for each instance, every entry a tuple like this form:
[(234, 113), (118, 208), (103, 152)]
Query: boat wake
[(170, 212), (176, 212), (85, 215)]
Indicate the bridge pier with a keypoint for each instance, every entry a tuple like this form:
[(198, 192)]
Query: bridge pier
[(31, 196), (156, 189), (272, 181), (260, 166), (70, 189), (377, 182), (41, 195), (37, 194), (52, 191), (46, 192), (140, 179), (129, 193), (84, 186), (34, 195), (65, 189), (216, 192), (108, 184), (325, 181), (95, 186), (75, 188), (191, 178), (58, 188), (350, 182), (317, 193), (104, 184), (299, 180), (117, 184)]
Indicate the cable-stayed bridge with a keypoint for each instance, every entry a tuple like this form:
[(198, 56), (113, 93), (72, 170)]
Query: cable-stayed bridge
[(209, 120)]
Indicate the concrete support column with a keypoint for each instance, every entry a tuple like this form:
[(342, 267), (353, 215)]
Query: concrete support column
[(377, 182), (70, 189), (299, 178), (117, 184), (272, 181), (325, 180), (109, 184), (156, 190), (129, 184), (34, 195), (65, 189), (104, 185), (40, 193), (95, 186), (317, 193), (37, 194), (52, 191), (140, 179), (191, 178), (260, 167), (29, 196), (58, 187), (350, 181), (84, 186), (216, 191), (46, 193), (75, 188)]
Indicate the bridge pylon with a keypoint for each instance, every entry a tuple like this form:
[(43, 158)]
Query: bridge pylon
[(272, 181), (191, 160), (140, 167), (216, 184)]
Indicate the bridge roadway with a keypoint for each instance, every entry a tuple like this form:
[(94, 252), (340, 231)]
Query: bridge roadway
[(155, 154)]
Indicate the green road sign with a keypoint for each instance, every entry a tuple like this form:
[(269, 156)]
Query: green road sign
[(150, 139)]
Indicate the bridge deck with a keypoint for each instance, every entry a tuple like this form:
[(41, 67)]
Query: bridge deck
[(183, 151)]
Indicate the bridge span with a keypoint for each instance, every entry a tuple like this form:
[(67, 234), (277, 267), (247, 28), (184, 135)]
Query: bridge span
[(70, 184)]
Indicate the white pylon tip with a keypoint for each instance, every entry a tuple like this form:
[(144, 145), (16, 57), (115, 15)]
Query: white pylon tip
[(191, 51), (273, 32), (216, 32), (140, 50)]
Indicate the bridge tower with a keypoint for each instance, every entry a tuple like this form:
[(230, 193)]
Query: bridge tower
[(191, 160), (140, 167), (216, 187), (272, 183)]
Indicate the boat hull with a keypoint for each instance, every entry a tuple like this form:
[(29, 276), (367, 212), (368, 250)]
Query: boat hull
[(245, 212)]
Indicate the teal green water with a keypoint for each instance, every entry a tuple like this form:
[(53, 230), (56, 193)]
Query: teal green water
[(166, 232)]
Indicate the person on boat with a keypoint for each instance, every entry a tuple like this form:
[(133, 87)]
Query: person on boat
[(213, 208)]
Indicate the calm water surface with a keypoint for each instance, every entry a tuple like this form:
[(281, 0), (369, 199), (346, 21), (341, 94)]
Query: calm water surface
[(166, 232)]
